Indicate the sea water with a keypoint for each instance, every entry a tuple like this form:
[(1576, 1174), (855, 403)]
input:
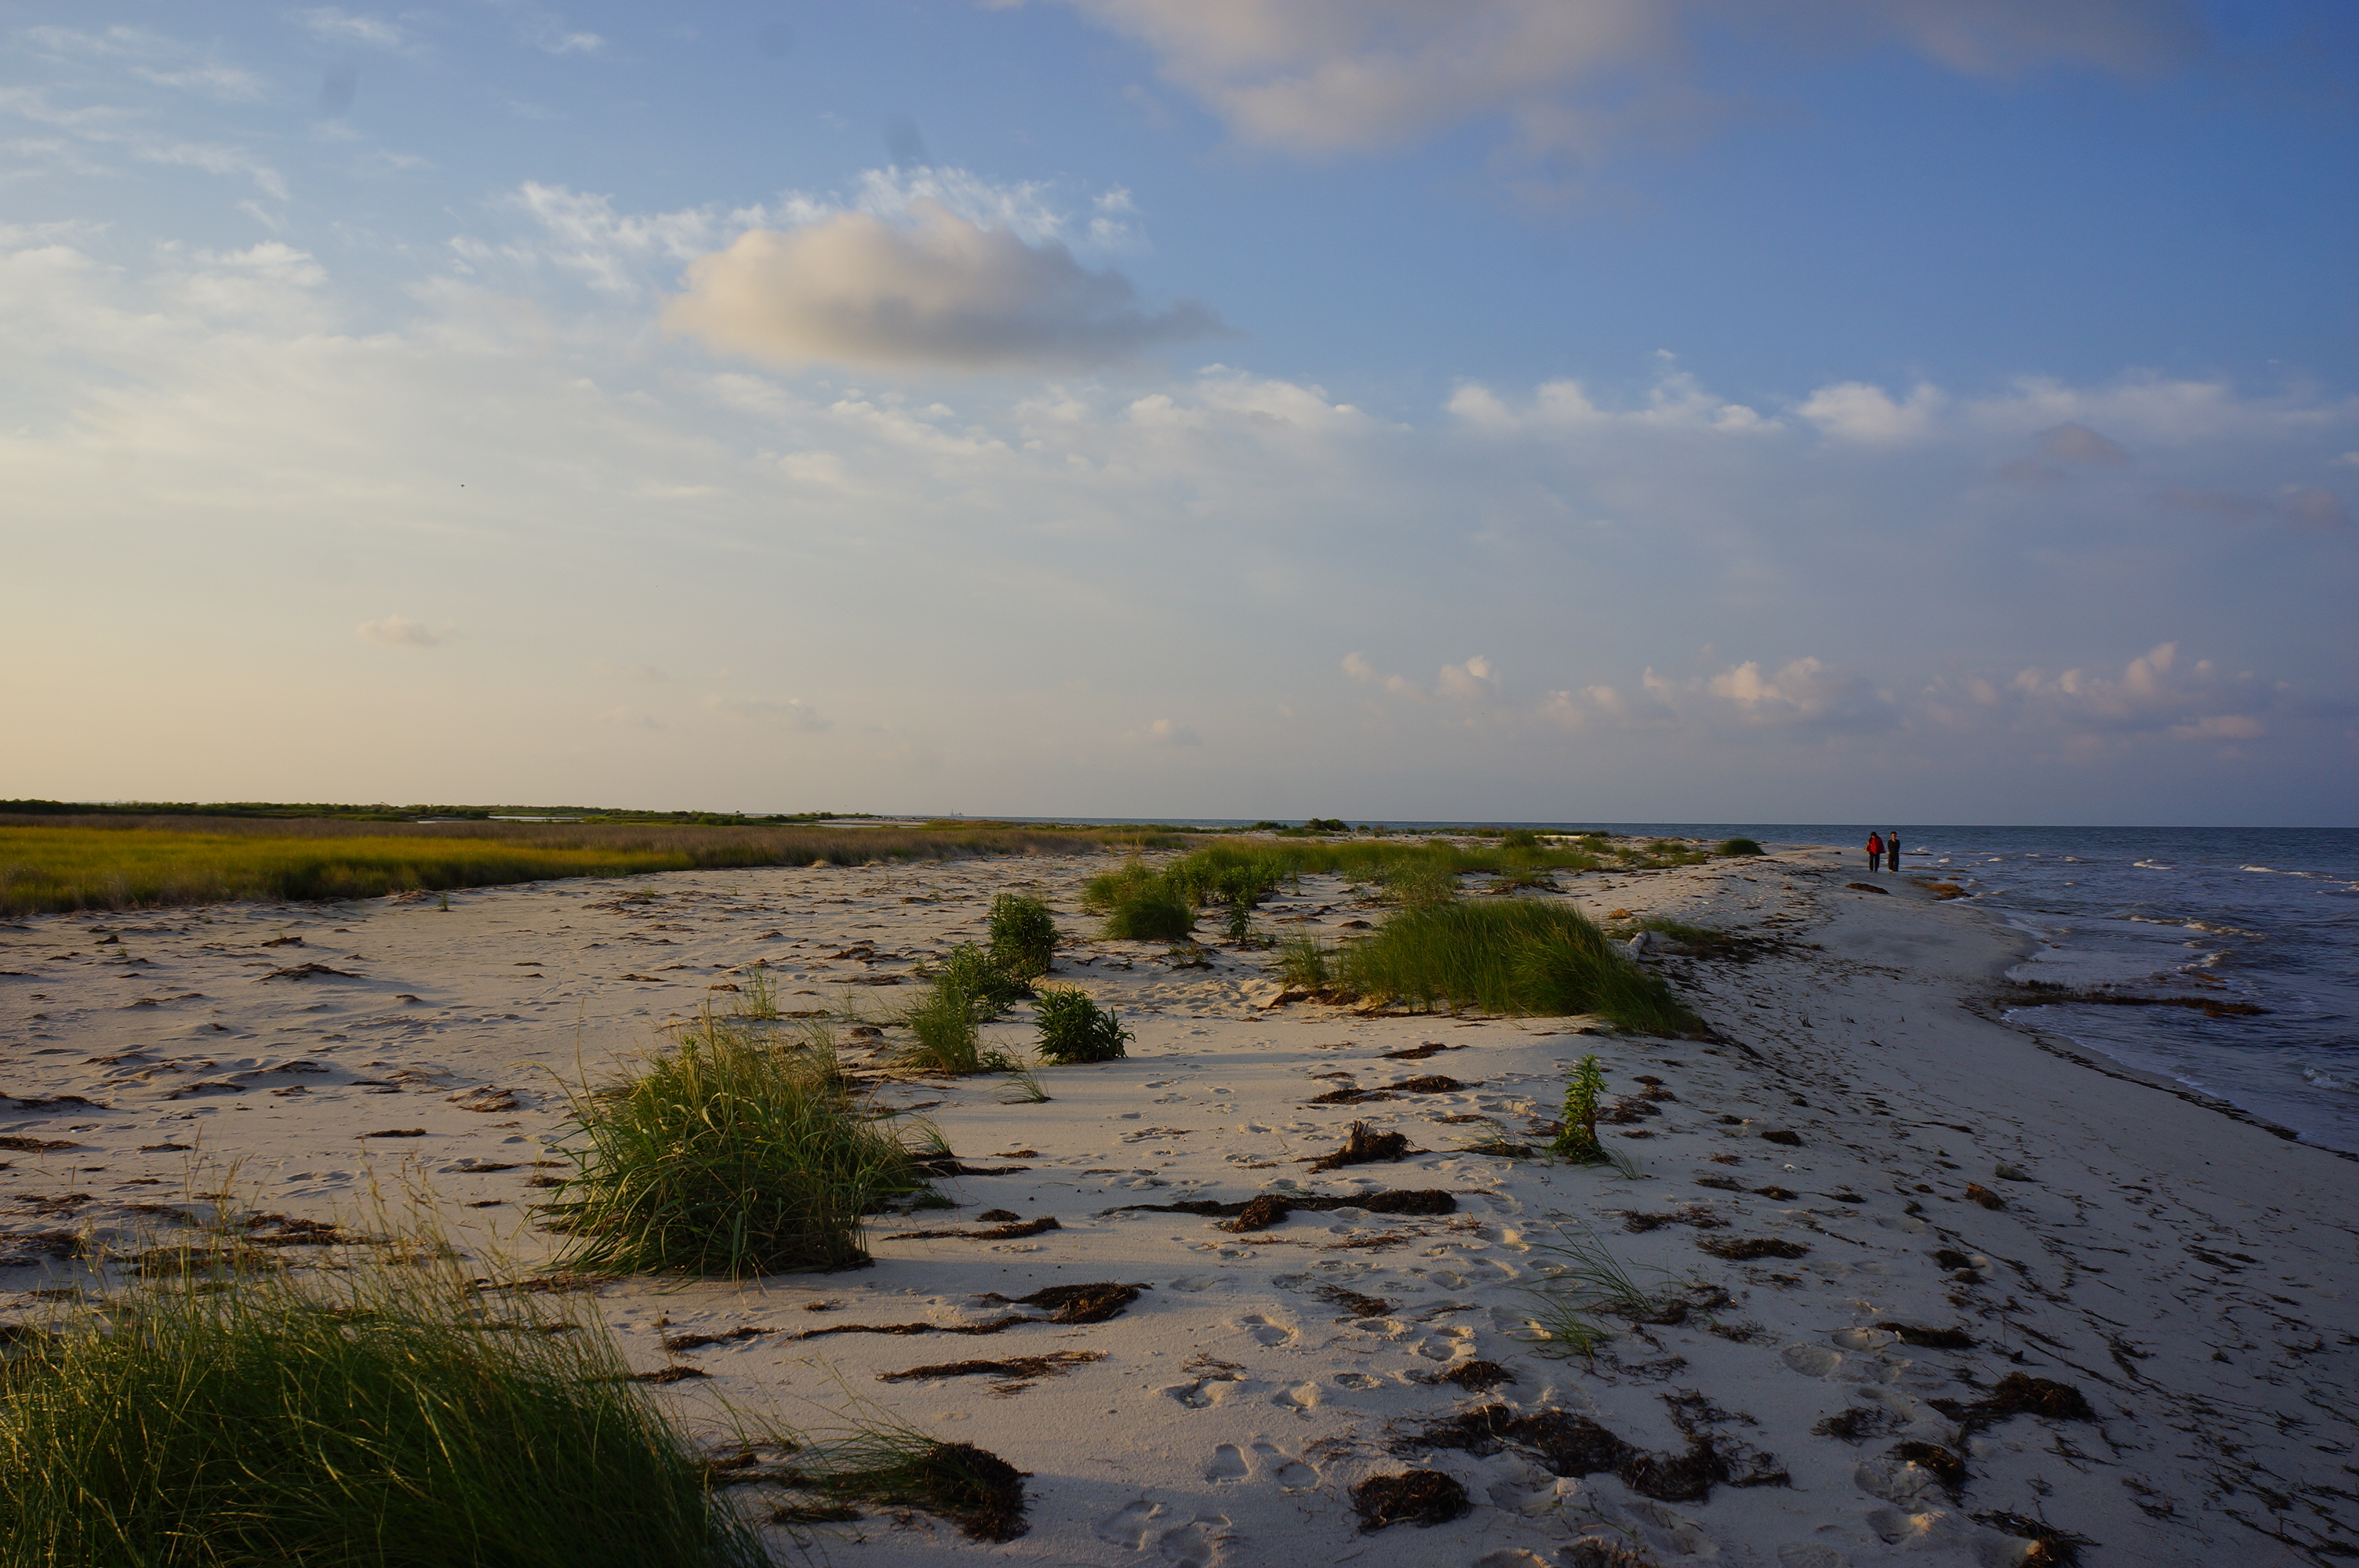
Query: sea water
[(2264, 916)]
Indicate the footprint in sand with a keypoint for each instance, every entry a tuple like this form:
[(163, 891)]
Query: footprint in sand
[(1261, 1331), (1228, 1464), (1132, 1525), (1197, 1543), (1289, 1473)]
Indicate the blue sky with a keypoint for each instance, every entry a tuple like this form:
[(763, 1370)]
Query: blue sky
[(1814, 410)]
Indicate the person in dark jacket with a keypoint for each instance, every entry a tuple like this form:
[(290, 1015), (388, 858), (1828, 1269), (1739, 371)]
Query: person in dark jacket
[(1892, 850), (1875, 851)]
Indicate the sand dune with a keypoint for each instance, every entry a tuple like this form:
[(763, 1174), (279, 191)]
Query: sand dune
[(1862, 1210)]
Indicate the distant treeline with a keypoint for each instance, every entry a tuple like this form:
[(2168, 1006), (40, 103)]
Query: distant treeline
[(383, 812)]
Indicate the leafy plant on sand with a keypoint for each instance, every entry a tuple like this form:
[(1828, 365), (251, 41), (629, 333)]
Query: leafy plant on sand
[(1508, 956), (973, 973), (726, 1154), (1739, 846), (386, 1414), (1023, 935), (1577, 1136), (1074, 1029)]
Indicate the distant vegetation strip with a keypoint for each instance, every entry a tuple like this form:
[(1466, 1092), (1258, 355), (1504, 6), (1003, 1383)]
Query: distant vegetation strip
[(126, 863)]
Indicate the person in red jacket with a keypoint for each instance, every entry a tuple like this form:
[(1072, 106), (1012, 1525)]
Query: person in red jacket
[(1875, 851)]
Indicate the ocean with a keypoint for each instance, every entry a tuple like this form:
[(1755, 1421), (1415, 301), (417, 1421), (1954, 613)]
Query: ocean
[(2266, 917)]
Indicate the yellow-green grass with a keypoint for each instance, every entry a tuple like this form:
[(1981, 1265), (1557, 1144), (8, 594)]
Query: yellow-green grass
[(131, 863), (1513, 956)]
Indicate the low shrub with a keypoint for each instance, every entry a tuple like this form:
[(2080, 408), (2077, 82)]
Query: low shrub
[(1023, 935), (1508, 956), (1739, 846), (386, 1414), (728, 1153), (1074, 1029)]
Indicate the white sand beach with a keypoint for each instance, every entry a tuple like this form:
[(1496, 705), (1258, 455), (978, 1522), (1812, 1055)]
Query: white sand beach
[(2015, 1210)]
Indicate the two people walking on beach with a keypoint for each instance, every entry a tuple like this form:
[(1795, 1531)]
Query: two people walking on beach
[(1880, 847)]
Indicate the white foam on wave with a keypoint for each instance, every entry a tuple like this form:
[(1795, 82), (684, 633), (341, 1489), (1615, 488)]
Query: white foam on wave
[(2326, 1080), (2156, 865)]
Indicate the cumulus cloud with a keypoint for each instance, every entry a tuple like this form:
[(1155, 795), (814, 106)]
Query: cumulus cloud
[(2157, 693), (781, 713), (397, 631), (1474, 681), (1164, 732), (2075, 443), (941, 291), (1805, 698), (1319, 77)]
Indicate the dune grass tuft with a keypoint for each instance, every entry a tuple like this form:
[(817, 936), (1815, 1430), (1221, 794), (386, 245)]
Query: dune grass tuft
[(1507, 956), (731, 1153), (1739, 846), (385, 1414)]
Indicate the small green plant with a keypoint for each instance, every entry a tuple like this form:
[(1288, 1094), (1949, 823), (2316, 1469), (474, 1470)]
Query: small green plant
[(1577, 1137), (1073, 1029), (727, 1153), (383, 1412), (1023, 935), (756, 999), (1023, 1086), (1157, 915), (1237, 926), (1739, 846)]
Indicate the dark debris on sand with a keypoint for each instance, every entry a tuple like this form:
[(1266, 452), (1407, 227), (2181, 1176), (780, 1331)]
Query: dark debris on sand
[(1413, 1497), (2018, 1394), (1272, 1208)]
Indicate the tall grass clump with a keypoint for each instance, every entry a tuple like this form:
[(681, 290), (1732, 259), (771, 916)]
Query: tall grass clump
[(1305, 963), (727, 1153), (1739, 846), (1073, 1029), (1149, 912), (1508, 956), (384, 1415), (1023, 935)]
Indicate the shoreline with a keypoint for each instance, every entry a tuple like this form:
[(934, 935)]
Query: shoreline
[(2165, 1256)]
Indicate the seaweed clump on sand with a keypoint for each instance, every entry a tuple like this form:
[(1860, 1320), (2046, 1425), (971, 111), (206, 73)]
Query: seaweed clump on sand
[(1366, 1147), (2017, 1393), (1267, 1209), (1572, 1446)]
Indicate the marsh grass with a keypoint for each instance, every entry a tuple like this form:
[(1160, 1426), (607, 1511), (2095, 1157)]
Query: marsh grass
[(384, 1412), (726, 1154), (50, 863), (1512, 955)]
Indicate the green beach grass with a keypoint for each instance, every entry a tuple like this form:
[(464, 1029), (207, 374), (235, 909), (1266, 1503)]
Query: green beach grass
[(1509, 956)]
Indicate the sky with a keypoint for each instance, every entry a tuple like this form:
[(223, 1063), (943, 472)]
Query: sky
[(1556, 410)]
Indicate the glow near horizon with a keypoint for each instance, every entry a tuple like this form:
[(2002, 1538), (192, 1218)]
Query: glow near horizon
[(1518, 410)]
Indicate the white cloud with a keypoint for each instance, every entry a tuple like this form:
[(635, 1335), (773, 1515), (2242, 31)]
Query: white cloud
[(1319, 77), (155, 57), (856, 290), (780, 712), (2072, 443), (330, 24), (1164, 732), (397, 631)]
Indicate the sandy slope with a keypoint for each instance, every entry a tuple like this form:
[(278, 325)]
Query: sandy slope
[(2188, 1274)]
